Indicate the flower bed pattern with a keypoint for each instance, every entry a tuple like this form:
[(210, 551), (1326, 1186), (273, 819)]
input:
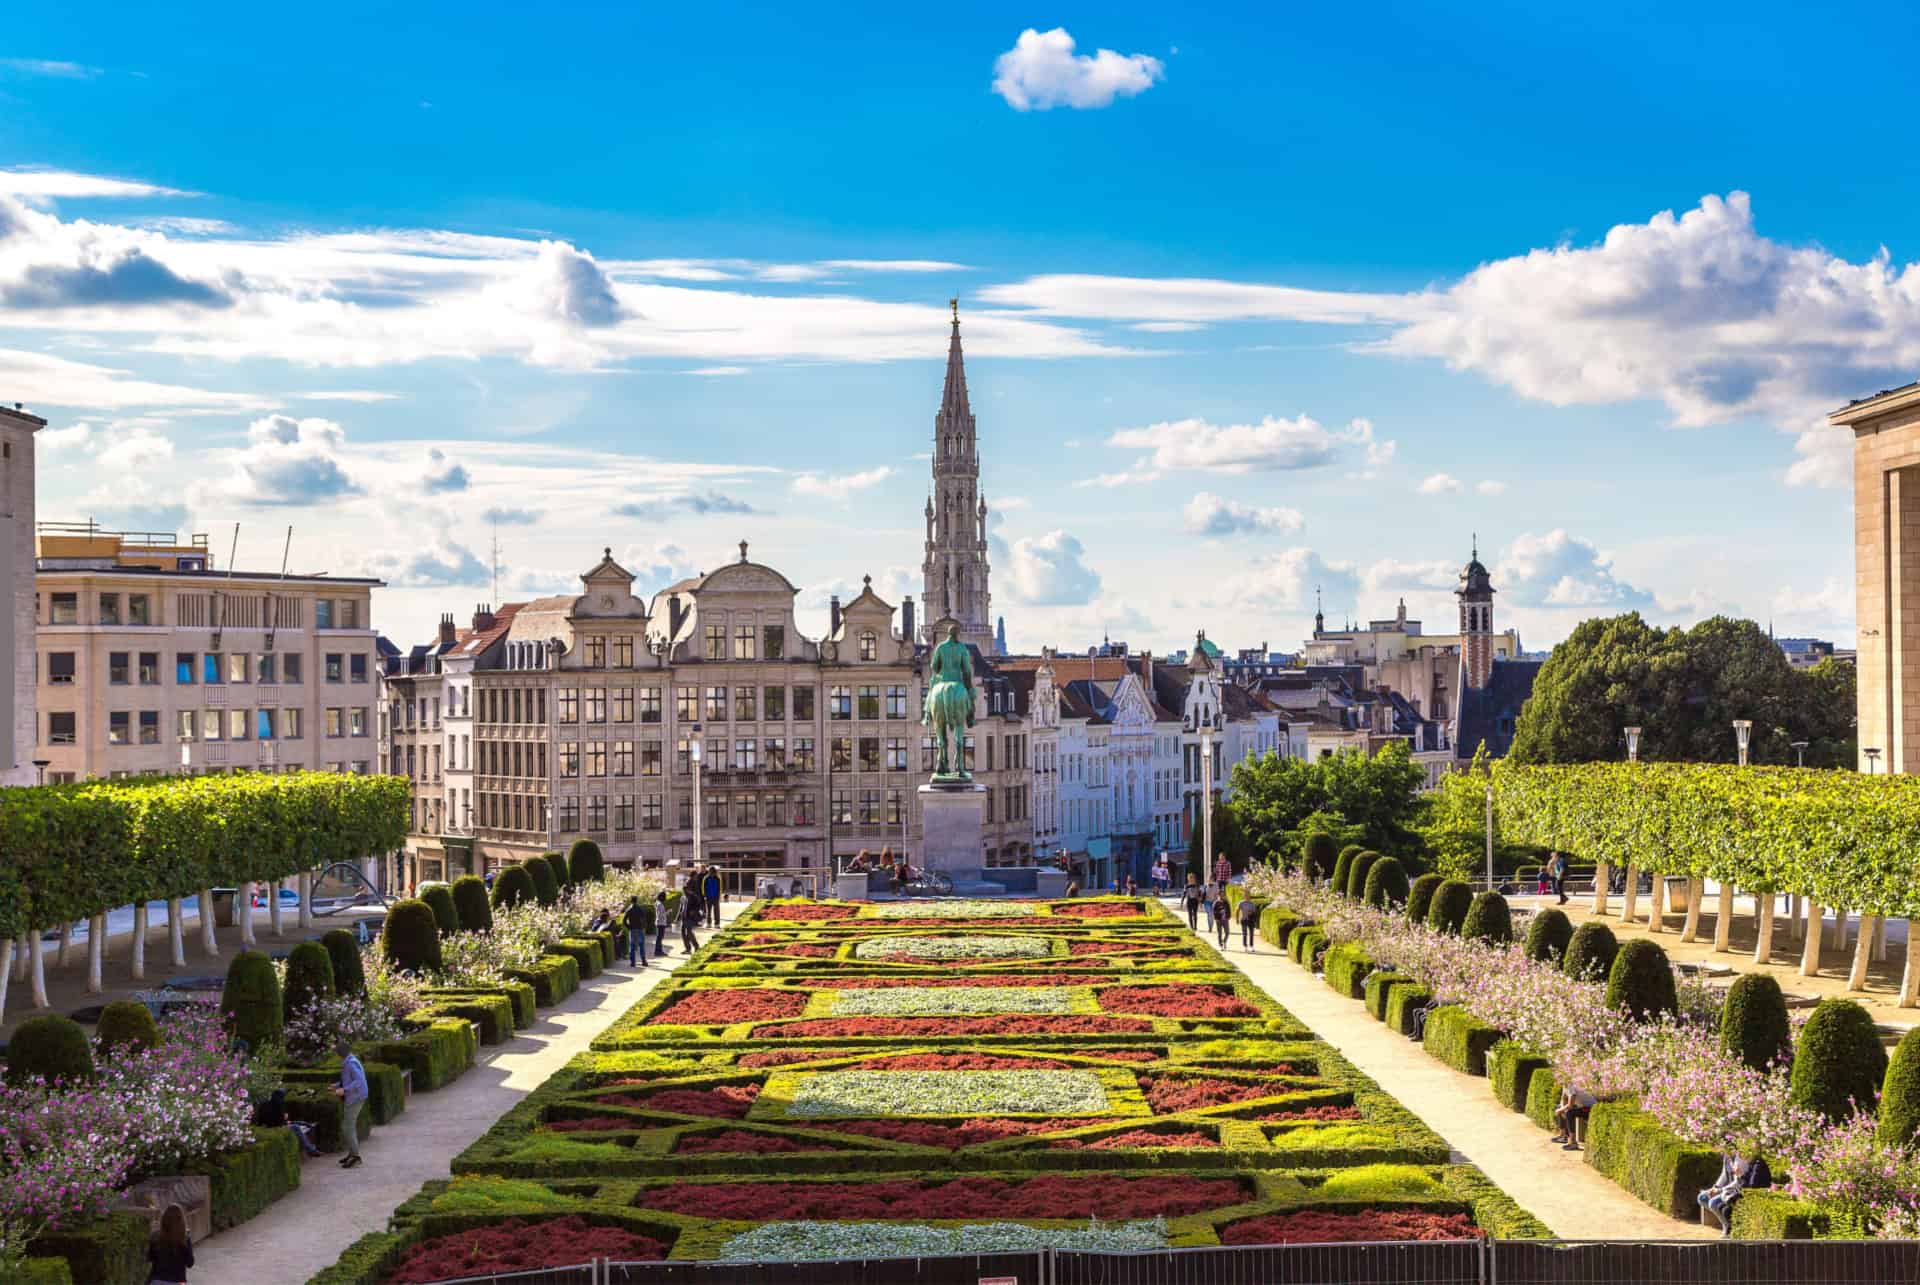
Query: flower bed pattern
[(931, 1001), (972, 946), (897, 1093), (515, 1246)]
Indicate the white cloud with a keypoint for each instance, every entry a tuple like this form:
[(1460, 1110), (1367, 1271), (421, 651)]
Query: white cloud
[(286, 461), (893, 265), (443, 475), (499, 516), (1042, 71), (1287, 580), (701, 503), (1560, 570), (1490, 487), (43, 379), (717, 370), (1272, 445), (656, 566), (1441, 484), (345, 395), (1392, 573), (44, 185), (1824, 458), (838, 488), (56, 68), (1050, 571), (1210, 514), (439, 563)]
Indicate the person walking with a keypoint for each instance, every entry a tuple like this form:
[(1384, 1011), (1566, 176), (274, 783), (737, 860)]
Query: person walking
[(1195, 897), (692, 912), (1222, 870), (1557, 875), (639, 922), (170, 1250), (661, 918), (352, 1092), (1221, 920), (710, 894), (1249, 921)]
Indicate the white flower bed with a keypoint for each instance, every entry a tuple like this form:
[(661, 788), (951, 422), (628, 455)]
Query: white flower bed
[(956, 909), (951, 1001), (963, 947), (893, 1093), (815, 1241)]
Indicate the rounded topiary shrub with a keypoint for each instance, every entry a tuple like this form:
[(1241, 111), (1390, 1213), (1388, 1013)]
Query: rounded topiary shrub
[(439, 899), (1448, 910), (1753, 1022), (512, 886), (1420, 896), (1839, 1064), (1641, 981), (1386, 883), (1548, 935), (1900, 1094), (1343, 864), (557, 862), (125, 1024), (1488, 920), (343, 952), (411, 938), (51, 1047), (584, 862), (1318, 856), (470, 903), (546, 887), (1357, 874), (251, 1000), (1590, 953), (309, 977)]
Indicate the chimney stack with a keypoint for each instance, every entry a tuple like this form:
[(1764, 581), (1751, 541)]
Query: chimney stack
[(906, 619), (833, 616), (448, 634), (482, 617), (1146, 671), (676, 616)]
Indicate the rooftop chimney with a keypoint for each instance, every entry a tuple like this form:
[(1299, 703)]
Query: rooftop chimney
[(906, 619), (448, 634), (676, 616), (833, 616), (482, 617)]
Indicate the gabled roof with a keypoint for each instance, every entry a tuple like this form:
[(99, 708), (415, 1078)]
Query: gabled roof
[(1489, 713)]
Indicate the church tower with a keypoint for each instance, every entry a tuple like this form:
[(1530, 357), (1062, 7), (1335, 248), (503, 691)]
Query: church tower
[(1476, 622), (954, 574)]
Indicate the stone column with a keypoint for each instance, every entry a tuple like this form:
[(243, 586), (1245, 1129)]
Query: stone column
[(139, 956), (1862, 953), (1810, 953), (208, 942), (1602, 873), (1723, 918), (176, 934)]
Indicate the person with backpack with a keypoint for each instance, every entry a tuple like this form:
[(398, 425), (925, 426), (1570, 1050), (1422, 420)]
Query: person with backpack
[(1194, 897), (710, 895), (1249, 921), (639, 921), (1221, 919), (692, 911), (661, 918), (1557, 875)]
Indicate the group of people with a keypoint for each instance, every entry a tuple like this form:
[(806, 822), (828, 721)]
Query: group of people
[(1208, 902)]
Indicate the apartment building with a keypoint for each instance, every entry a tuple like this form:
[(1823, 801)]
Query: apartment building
[(150, 660), (18, 674)]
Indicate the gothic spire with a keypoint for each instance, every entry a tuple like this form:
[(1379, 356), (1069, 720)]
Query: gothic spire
[(955, 414)]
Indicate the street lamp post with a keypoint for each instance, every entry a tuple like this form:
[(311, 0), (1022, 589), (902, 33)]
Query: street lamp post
[(694, 749), (40, 767), (1633, 745), (1206, 798), (1799, 753), (1873, 757), (1742, 735)]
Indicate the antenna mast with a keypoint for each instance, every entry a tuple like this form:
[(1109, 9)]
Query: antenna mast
[(496, 564), (286, 552), (234, 551)]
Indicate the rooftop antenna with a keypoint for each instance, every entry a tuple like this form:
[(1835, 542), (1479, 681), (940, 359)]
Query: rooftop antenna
[(496, 561), (286, 552), (234, 551)]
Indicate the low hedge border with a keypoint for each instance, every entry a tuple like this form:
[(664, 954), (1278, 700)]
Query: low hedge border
[(1543, 1096), (585, 952), (1459, 1039), (246, 1180), (519, 995), (1402, 1002), (386, 1085), (45, 1271), (1774, 1215), (1379, 992), (437, 1055), (492, 1013), (1630, 1147), (1346, 969), (1510, 1072), (1275, 923), (320, 1109), (553, 978), (108, 1251)]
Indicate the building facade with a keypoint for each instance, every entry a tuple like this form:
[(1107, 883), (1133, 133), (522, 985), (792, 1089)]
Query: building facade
[(151, 661), (19, 681)]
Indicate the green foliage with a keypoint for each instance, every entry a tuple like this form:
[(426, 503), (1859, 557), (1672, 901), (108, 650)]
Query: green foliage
[(1273, 798), (125, 1024), (1753, 1022), (1401, 1003), (546, 884), (1386, 883), (484, 1194), (1420, 896), (439, 899), (436, 1056), (1459, 1039), (247, 1179), (1641, 981), (470, 903), (1488, 920), (1346, 967), (557, 862), (553, 977), (1356, 884), (1381, 1183), (1318, 855), (1230, 840), (1591, 952), (1543, 1097), (1548, 935), (1510, 1072), (1342, 867), (343, 952), (1448, 911), (1839, 1064), (410, 938), (43, 1271), (1774, 1215), (49, 1046), (1379, 990), (1900, 1094), (309, 977), (512, 887), (251, 1000), (107, 1251), (584, 862), (1627, 1146)]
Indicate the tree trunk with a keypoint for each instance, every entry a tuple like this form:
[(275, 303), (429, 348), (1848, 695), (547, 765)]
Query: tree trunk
[(1862, 954), (1880, 939), (1793, 916), (1810, 953), (243, 912), (6, 973), (1723, 918), (66, 946), (38, 970), (176, 934), (1601, 874), (208, 941), (1632, 894), (96, 951), (139, 955), (1657, 906), (1695, 888), (1910, 977), (20, 964), (276, 917), (304, 886), (1763, 930)]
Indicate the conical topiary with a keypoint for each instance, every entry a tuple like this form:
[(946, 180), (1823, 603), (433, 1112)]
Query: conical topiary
[(1386, 884), (1641, 981), (1548, 935), (1900, 1094), (251, 1000), (584, 862), (50, 1046), (1420, 896), (1753, 1022), (1451, 901), (1839, 1064), (411, 938), (546, 887), (1590, 954), (1318, 856), (309, 977), (1488, 920), (1357, 874), (439, 899), (470, 902), (512, 886), (343, 952), (125, 1024), (1342, 864), (557, 862)]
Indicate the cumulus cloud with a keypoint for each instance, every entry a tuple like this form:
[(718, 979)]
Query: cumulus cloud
[(443, 475), (1441, 484), (1823, 457), (1392, 573), (1561, 570), (1288, 580), (1210, 514), (55, 68), (1049, 571), (1490, 487), (511, 517), (1042, 71), (838, 487), (658, 565), (700, 503), (286, 461), (1272, 445), (442, 562), (129, 278), (568, 285)]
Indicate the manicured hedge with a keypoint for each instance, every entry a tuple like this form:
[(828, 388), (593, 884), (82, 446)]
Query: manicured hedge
[(1459, 1039), (1386, 884), (1420, 896), (1900, 1094), (1347, 966), (1401, 1003), (316, 1106), (1628, 1146), (512, 887), (49, 1046), (546, 884), (1774, 1215), (1488, 920), (492, 1012), (553, 978), (1276, 922), (251, 1000), (1549, 935), (1379, 991), (1318, 855), (1753, 1022), (126, 1023), (108, 1251), (1510, 1071), (1342, 864), (1543, 1097), (45, 1271), (585, 864), (557, 861), (410, 938), (343, 952), (585, 952), (1448, 910), (471, 904), (519, 994), (1591, 953), (309, 977), (248, 1179), (439, 899), (1307, 944), (1839, 1063), (386, 1087), (436, 1056), (1641, 981), (1357, 870)]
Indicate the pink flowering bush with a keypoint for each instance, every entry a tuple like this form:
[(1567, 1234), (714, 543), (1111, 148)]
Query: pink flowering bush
[(317, 1029)]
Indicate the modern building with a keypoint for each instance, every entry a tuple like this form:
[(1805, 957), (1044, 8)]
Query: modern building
[(1805, 653), (153, 661), (954, 569), (19, 679)]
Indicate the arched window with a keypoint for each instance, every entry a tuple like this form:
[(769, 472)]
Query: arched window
[(869, 645)]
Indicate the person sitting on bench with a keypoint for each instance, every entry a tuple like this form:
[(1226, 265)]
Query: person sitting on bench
[(1576, 1104), (1737, 1175)]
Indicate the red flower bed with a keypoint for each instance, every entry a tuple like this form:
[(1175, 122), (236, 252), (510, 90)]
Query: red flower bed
[(958, 1062), (1098, 909), (1011, 921), (1168, 1094), (1176, 1001), (800, 950), (1047, 1196), (1327, 1227), (804, 914), (1135, 1138), (727, 1102), (1003, 1024), (1117, 948), (723, 1007), (995, 979), (594, 1123), (517, 1245), (741, 1140), (951, 1137), (784, 1057), (1325, 1112)]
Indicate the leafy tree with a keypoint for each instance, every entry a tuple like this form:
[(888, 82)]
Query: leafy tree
[(1274, 799), (1229, 841)]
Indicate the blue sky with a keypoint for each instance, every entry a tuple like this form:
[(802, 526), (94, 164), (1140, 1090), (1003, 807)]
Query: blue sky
[(1255, 299)]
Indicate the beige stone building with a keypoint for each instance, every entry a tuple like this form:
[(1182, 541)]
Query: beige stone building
[(1886, 551), (1398, 654), (18, 681), (153, 661)]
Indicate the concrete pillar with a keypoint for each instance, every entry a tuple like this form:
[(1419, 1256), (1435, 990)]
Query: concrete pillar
[(243, 912), (1840, 927), (1763, 929), (1602, 873), (208, 942), (1880, 939), (1810, 953), (1631, 894), (176, 934), (275, 916), (138, 959), (96, 943), (1862, 953), (1696, 887), (38, 969), (1723, 918)]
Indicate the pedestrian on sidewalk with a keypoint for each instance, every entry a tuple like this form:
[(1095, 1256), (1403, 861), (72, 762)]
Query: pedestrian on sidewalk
[(710, 894), (170, 1250), (352, 1092), (1195, 896), (661, 918), (1221, 920), (1557, 875), (639, 921), (1249, 921), (692, 912)]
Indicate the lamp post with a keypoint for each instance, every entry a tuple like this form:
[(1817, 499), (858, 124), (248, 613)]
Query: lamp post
[(694, 749), (1873, 757), (1633, 745), (40, 767), (1742, 735), (1206, 797), (1800, 753)]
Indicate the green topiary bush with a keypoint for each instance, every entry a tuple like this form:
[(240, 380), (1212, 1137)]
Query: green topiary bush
[(546, 885), (1900, 1094), (511, 887), (584, 862), (1356, 885), (1459, 1039), (1641, 981), (1488, 920), (51, 1047), (1839, 1063), (1590, 953), (309, 977), (1386, 884), (439, 899), (1402, 1003), (1548, 935), (1346, 969), (557, 862), (411, 938), (125, 1024), (470, 903), (1451, 901), (1420, 896), (1342, 864), (251, 1000), (1317, 858), (343, 952), (1753, 1023), (1510, 1071)]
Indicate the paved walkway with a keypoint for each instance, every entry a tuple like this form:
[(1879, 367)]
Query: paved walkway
[(307, 1230), (1557, 1186)]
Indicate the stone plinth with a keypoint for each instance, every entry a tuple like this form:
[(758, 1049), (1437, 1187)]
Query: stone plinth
[(1052, 883), (851, 887), (192, 1192), (952, 824)]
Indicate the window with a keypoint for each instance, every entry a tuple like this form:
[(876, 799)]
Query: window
[(650, 812), (686, 704), (63, 609), (683, 755), (773, 642), (896, 754), (869, 703), (566, 705), (806, 810), (336, 667), (746, 755), (686, 811), (117, 724), (803, 754), (60, 729), (743, 648), (183, 725), (239, 667), (149, 727), (842, 808), (869, 807), (117, 668), (596, 704), (896, 807), (840, 754), (336, 721), (623, 705), (109, 608), (776, 754), (60, 668), (569, 814), (869, 645), (623, 812), (650, 704), (137, 613), (773, 703), (290, 724), (803, 704), (596, 756), (746, 810), (263, 724), (323, 613), (869, 754), (744, 699), (183, 668), (212, 726), (569, 762), (716, 810), (840, 703), (596, 653), (357, 667), (290, 667), (623, 659), (650, 758), (716, 642), (623, 758), (896, 701), (357, 721), (716, 704), (263, 667)]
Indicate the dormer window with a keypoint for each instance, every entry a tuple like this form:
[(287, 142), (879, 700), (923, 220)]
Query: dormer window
[(869, 645)]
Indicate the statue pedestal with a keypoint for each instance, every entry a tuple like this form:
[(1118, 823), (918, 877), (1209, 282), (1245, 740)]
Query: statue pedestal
[(951, 827)]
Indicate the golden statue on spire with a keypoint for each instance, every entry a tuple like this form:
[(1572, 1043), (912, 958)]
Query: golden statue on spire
[(954, 303)]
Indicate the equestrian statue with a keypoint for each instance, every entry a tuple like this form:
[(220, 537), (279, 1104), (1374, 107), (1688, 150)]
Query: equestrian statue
[(949, 711)]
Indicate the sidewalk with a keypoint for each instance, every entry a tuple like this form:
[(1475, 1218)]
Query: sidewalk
[(308, 1229), (1557, 1187)]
